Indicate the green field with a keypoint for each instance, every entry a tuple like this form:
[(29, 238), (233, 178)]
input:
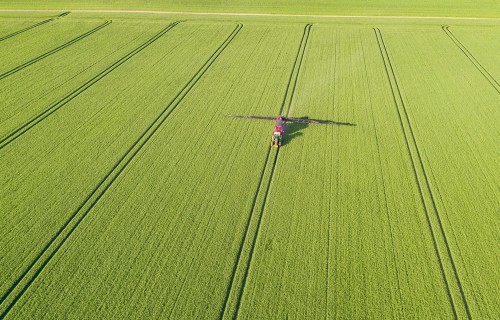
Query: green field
[(458, 8), (126, 192)]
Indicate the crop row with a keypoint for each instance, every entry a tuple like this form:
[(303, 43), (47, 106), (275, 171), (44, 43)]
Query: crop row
[(343, 232), (52, 51), (26, 95), (242, 266), (12, 27), (15, 33), (138, 198), (453, 112), (447, 264), (19, 50), (482, 47), (28, 124), (472, 59), (170, 224), (63, 233), (55, 244), (86, 138)]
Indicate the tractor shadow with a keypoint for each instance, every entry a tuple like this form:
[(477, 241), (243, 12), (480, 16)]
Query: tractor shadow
[(293, 130)]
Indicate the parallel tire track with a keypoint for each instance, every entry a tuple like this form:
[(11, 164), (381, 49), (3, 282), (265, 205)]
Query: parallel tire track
[(64, 14), (474, 61), (424, 188), (25, 29), (33, 26), (23, 283), (73, 94), (238, 285), (52, 51)]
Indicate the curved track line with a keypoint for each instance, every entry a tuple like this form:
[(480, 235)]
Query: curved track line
[(73, 94), (270, 164), (51, 52), (472, 59), (418, 165), (44, 257)]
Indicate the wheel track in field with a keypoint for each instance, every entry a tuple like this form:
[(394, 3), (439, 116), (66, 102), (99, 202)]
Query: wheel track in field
[(12, 136), (16, 291), (263, 187), (26, 29), (331, 183), (198, 141), (386, 202), (472, 59), (128, 56), (424, 188), (13, 34), (55, 50)]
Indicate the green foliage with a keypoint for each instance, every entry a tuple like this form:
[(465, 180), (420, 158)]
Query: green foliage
[(460, 8), (203, 221), (454, 129)]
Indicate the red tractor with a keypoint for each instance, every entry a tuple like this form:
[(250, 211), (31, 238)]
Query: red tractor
[(279, 132), (279, 126)]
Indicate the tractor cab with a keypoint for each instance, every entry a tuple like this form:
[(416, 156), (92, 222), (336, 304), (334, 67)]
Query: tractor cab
[(279, 131)]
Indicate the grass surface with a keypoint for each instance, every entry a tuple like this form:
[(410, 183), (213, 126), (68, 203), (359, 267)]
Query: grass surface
[(455, 149), (461, 8), (52, 78), (127, 193), (315, 241)]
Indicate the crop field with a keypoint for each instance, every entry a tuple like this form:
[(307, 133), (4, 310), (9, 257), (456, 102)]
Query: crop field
[(127, 192), (453, 8)]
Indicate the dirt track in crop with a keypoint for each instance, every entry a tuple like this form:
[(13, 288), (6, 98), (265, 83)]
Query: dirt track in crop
[(11, 297), (263, 188), (424, 186), (55, 50), (259, 14), (73, 94)]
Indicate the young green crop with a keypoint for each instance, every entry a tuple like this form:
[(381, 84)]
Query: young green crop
[(15, 27), (50, 170), (29, 92), (483, 44), (169, 228), (453, 110), (138, 198), (343, 232), (21, 49)]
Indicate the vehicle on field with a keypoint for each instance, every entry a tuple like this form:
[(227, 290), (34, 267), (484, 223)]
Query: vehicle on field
[(280, 124)]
